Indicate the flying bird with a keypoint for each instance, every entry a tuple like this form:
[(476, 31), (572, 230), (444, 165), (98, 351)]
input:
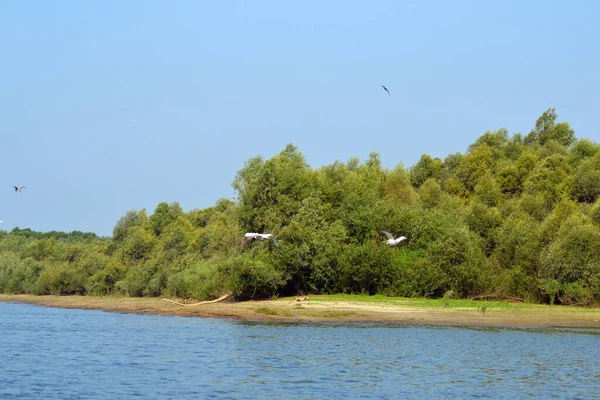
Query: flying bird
[(386, 89), (19, 189), (260, 236), (391, 241)]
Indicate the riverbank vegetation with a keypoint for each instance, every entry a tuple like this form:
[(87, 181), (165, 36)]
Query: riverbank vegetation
[(514, 217)]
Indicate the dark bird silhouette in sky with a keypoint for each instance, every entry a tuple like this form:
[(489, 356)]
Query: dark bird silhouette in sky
[(386, 89), (19, 189)]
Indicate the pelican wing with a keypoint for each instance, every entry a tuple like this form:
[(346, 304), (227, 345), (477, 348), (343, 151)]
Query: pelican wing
[(275, 241), (389, 235), (401, 238), (245, 239)]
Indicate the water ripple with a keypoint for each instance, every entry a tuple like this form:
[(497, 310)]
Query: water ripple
[(76, 354)]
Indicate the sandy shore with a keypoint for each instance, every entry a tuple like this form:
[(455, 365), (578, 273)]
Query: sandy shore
[(317, 308)]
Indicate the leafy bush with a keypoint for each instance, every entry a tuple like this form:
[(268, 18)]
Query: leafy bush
[(574, 257), (199, 281), (60, 279), (250, 277)]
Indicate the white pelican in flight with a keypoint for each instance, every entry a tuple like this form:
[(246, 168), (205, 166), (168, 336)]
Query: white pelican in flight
[(19, 189), (260, 236), (391, 241)]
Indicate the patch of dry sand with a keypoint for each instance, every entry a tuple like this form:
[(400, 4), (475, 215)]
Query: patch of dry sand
[(290, 310)]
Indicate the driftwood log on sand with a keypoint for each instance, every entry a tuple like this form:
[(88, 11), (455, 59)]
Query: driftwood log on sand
[(200, 303)]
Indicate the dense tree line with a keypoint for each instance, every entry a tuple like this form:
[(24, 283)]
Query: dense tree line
[(515, 216)]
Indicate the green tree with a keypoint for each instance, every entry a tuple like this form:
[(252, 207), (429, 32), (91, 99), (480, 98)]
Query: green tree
[(426, 168), (269, 192), (550, 178), (586, 180), (475, 165), (138, 244), (487, 191), (518, 243), (130, 219), (164, 214), (398, 188), (431, 194), (582, 149), (574, 258), (546, 130)]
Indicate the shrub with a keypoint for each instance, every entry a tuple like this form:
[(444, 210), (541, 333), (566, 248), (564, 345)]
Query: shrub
[(574, 256), (199, 281), (250, 277), (60, 279)]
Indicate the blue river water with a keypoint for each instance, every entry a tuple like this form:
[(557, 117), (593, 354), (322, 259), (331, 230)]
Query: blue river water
[(51, 353)]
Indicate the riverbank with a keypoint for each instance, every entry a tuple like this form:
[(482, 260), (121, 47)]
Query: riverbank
[(339, 308)]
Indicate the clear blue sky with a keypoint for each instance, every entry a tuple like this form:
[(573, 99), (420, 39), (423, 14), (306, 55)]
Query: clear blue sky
[(108, 106)]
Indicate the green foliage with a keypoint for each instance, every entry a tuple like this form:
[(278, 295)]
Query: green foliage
[(518, 243), (60, 279), (487, 191), (138, 244), (458, 254), (431, 194), (398, 187), (40, 249), (269, 192), (573, 256), (426, 168), (546, 130), (495, 141), (74, 236), (144, 279), (512, 176), (163, 215), (484, 221), (582, 149), (515, 282), (103, 281), (129, 220), (250, 277), (474, 166), (515, 216), (586, 180), (200, 280), (16, 275), (595, 212), (550, 179), (366, 268)]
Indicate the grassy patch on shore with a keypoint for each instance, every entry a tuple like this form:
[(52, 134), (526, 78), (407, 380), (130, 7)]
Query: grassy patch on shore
[(448, 304)]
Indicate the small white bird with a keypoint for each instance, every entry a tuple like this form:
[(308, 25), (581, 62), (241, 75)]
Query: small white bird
[(391, 241), (260, 236), (19, 189)]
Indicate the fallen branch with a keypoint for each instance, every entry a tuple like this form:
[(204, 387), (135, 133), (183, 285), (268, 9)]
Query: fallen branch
[(202, 302)]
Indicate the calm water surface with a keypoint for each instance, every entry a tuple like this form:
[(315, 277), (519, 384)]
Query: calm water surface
[(54, 353)]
